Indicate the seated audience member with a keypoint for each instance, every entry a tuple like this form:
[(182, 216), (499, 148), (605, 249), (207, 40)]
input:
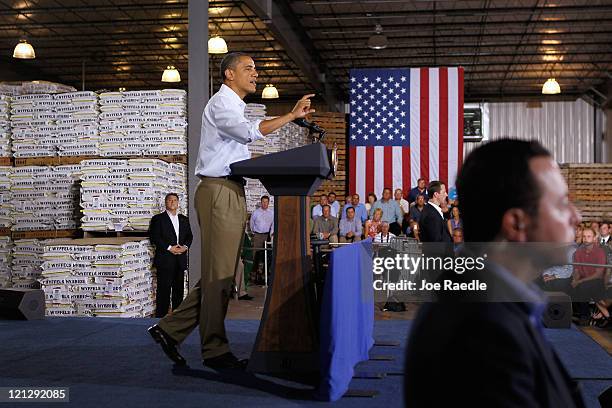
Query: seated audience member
[(399, 199), (391, 211), (419, 190), (350, 227), (317, 210), (334, 204), (457, 240), (595, 227), (372, 227), (262, 225), (384, 236), (455, 221), (406, 225), (587, 281), (326, 226), (559, 278), (604, 235), (347, 203), (578, 238), (417, 209), (370, 202), (361, 213)]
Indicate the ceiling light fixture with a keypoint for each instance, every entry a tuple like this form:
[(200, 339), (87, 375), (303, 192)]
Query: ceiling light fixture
[(171, 74), (24, 50), (551, 87), (269, 92), (378, 41), (217, 45)]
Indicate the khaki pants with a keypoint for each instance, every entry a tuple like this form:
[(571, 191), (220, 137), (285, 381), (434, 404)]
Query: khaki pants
[(258, 256), (239, 279), (354, 238), (221, 209)]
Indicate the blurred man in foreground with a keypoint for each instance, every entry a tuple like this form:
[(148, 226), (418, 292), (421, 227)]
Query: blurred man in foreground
[(487, 349)]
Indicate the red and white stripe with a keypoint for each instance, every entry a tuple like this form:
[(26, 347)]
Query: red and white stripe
[(436, 138)]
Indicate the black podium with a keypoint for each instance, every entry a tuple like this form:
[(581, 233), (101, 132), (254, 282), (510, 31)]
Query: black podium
[(287, 340)]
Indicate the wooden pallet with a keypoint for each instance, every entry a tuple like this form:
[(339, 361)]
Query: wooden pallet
[(590, 189), (73, 233), (115, 234), (335, 124), (5, 232), (37, 161), (69, 160), (6, 161)]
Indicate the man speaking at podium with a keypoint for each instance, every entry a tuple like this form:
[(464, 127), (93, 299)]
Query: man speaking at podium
[(221, 208)]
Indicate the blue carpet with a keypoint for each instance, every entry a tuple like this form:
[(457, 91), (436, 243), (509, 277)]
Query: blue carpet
[(108, 362)]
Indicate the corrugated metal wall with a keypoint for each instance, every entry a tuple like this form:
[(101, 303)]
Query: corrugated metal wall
[(565, 128)]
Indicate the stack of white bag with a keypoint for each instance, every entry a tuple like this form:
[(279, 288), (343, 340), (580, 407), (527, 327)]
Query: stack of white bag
[(33, 127), (6, 208), (256, 111), (77, 123), (44, 198), (143, 123), (5, 261), (112, 280), (26, 260), (124, 194), (285, 138), (5, 126), (45, 125), (33, 87)]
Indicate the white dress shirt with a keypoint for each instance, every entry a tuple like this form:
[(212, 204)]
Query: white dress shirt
[(175, 224), (225, 134), (437, 207), (317, 211), (382, 239), (404, 205)]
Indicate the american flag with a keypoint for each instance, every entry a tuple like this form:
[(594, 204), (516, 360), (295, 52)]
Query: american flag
[(404, 124)]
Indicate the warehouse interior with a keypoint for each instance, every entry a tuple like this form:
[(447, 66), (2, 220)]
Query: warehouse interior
[(101, 105)]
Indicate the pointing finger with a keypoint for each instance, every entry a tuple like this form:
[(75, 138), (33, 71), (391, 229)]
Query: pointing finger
[(308, 96)]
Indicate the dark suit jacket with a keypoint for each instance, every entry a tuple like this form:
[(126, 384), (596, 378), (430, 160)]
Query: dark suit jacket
[(162, 235), (432, 227), (483, 354)]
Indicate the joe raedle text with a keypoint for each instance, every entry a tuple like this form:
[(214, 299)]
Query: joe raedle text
[(404, 267)]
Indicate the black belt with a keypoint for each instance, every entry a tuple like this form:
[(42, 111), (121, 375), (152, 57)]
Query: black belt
[(236, 179)]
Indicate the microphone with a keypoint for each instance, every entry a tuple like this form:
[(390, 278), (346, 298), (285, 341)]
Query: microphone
[(310, 125)]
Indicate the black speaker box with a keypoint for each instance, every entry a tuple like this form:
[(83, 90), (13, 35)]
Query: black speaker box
[(558, 312), (22, 304)]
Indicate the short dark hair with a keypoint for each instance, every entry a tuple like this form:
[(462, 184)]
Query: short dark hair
[(497, 169), (330, 193), (264, 197), (373, 195), (170, 195), (350, 208), (229, 62), (434, 187)]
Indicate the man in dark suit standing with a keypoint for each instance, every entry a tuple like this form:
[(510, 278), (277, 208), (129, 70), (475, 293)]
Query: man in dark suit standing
[(487, 348), (432, 225), (171, 234)]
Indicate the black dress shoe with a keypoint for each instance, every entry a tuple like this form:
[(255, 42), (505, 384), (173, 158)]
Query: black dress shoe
[(168, 344), (246, 297), (225, 361)]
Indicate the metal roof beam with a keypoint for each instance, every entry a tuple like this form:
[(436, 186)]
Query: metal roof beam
[(286, 30)]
